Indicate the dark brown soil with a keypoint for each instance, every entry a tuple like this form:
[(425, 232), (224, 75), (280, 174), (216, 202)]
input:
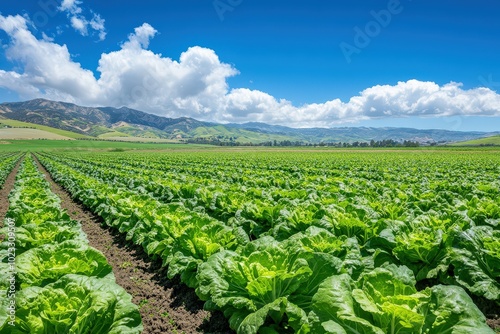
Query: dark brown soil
[(166, 306), (490, 310), (494, 323), (5, 190)]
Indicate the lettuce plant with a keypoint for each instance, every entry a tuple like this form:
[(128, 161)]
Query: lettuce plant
[(46, 264), (75, 304), (475, 261), (31, 235), (386, 301), (265, 280)]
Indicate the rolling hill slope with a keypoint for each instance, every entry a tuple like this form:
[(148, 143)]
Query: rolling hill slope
[(107, 122), (488, 141), (54, 133)]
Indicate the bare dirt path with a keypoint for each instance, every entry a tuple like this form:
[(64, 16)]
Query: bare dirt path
[(5, 190), (166, 306)]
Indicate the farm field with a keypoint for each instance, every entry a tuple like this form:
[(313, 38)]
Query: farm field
[(15, 133), (46, 132), (302, 241)]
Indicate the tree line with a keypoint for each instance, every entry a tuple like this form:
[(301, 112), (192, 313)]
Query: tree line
[(289, 143)]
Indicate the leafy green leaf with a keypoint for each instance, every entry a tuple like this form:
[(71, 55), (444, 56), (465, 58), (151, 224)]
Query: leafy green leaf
[(76, 304), (45, 264)]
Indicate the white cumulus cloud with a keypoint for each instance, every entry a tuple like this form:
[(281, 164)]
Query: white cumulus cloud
[(81, 22), (47, 67), (136, 77), (196, 85), (71, 6), (141, 37)]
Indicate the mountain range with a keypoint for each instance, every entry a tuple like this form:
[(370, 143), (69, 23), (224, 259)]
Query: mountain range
[(116, 123)]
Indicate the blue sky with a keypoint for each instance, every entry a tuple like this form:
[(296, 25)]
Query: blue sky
[(424, 64)]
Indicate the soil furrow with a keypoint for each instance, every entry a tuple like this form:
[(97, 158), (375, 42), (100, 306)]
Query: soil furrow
[(5, 190), (166, 306)]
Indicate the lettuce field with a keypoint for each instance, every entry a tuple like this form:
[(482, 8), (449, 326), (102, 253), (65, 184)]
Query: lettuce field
[(278, 241)]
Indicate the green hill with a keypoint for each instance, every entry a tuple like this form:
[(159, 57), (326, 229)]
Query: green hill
[(73, 121), (10, 123), (488, 141)]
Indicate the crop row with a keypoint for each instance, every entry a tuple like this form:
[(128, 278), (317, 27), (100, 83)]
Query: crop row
[(442, 234), (319, 275), (7, 163), (405, 195), (183, 238), (52, 280)]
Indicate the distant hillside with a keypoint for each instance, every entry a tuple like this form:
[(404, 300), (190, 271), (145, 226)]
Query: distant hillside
[(113, 123), (364, 134), (93, 121), (46, 132), (129, 124), (488, 141)]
